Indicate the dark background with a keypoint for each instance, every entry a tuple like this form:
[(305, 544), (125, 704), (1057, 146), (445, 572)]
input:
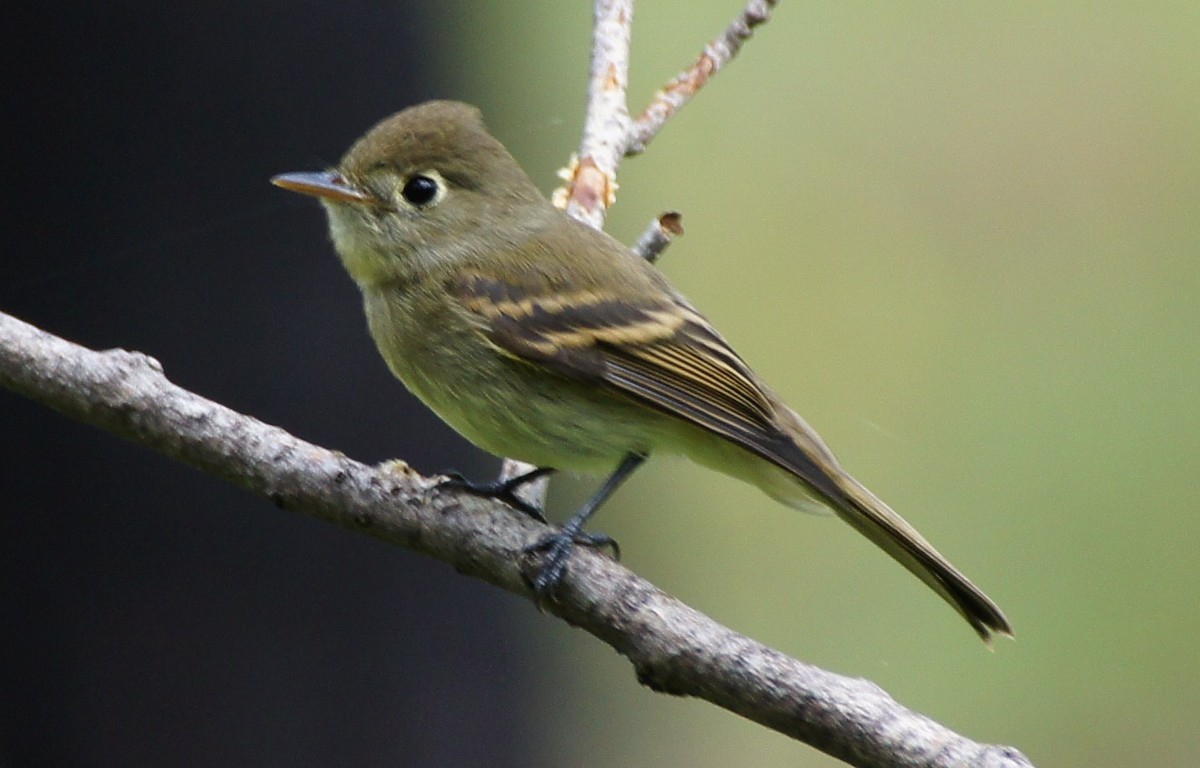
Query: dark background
[(153, 615)]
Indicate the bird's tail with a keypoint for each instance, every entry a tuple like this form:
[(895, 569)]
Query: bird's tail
[(801, 454), (875, 520), (794, 466)]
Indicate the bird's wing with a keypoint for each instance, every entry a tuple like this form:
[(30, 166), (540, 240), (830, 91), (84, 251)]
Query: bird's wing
[(661, 352)]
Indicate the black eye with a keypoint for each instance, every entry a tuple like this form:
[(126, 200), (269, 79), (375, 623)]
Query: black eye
[(420, 190)]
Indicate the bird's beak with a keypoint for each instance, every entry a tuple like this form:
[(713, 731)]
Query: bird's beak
[(326, 184)]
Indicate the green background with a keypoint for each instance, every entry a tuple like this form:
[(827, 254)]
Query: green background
[(961, 240)]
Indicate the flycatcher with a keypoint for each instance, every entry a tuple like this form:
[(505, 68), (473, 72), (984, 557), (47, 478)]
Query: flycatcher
[(539, 338)]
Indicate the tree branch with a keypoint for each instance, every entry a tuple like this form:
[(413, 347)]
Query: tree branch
[(673, 648)]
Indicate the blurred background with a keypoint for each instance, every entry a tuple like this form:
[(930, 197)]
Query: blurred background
[(961, 239)]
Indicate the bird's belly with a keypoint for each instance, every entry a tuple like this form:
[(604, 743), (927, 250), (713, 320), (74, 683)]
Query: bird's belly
[(514, 409), (546, 422)]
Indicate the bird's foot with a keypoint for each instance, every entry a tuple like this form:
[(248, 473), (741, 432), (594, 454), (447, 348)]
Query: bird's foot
[(556, 550), (504, 490)]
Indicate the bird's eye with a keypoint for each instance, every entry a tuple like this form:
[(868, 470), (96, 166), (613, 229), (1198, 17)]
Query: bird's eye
[(420, 190)]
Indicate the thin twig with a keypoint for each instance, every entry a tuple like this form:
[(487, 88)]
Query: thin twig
[(609, 135), (658, 235), (675, 94), (673, 648)]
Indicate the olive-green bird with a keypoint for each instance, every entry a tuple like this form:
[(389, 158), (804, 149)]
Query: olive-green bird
[(542, 339)]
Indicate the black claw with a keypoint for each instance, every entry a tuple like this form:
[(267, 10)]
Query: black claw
[(556, 550), (599, 541), (503, 490)]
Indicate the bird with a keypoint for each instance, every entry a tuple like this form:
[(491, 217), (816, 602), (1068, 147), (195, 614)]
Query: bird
[(540, 338)]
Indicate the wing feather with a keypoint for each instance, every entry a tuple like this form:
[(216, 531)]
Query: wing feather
[(662, 353)]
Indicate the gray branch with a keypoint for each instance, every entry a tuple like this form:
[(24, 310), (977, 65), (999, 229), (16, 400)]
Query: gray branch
[(673, 648)]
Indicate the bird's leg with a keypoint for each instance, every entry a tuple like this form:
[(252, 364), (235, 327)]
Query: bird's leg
[(504, 489), (558, 546)]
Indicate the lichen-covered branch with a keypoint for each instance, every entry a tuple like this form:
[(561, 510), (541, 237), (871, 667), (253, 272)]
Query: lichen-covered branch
[(673, 648)]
